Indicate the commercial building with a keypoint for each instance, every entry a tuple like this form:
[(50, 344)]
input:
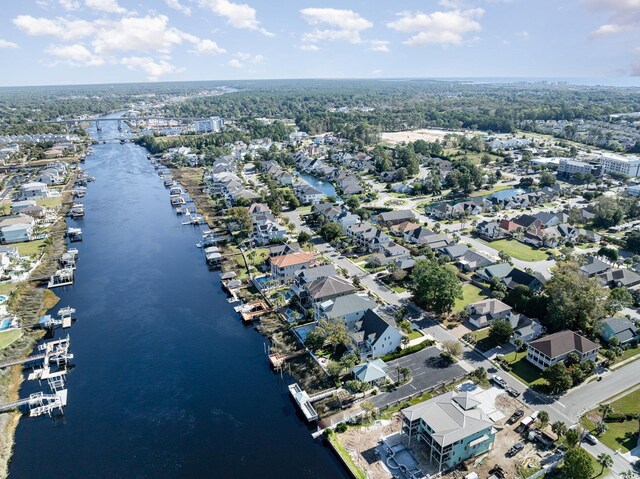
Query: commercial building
[(209, 125), (621, 165)]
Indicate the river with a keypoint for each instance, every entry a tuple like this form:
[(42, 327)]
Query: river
[(168, 383)]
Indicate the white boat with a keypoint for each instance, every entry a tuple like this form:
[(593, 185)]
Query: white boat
[(74, 234), (62, 277), (77, 210)]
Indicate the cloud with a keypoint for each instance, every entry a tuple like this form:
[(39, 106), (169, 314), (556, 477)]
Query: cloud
[(235, 63), (207, 47), (443, 28), (241, 59), (56, 27), (523, 34), (7, 44), (309, 48), (69, 4), (344, 25), (238, 15), (623, 15), (379, 46), (76, 55), (176, 5), (154, 69), (146, 34), (107, 6)]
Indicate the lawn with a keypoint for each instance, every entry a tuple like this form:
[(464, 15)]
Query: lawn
[(7, 289), (483, 341), (627, 404), (491, 191), (471, 294), (620, 435), (354, 469), (629, 353), (50, 202), (30, 248), (8, 337), (414, 335), (518, 250), (527, 372)]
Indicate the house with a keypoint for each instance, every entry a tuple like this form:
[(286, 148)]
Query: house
[(34, 190), (372, 373), (472, 260), (373, 337), (623, 329), (348, 309), (307, 194), (619, 278), (552, 349), (594, 267), (517, 277), (490, 230), (454, 252), (389, 253), (281, 249), (508, 226), (368, 236), (404, 228), (494, 272), (451, 427), (50, 176), (483, 313), (423, 236), (391, 218), (328, 288), (283, 267), (524, 329), (15, 229), (18, 206)]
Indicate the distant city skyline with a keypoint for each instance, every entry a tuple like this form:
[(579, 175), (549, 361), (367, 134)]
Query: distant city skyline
[(50, 42)]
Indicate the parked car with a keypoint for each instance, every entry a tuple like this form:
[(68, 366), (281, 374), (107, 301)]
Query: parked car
[(499, 381), (515, 449), (512, 392), (591, 439), (517, 414)]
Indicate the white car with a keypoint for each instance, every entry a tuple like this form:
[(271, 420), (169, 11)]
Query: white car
[(499, 381)]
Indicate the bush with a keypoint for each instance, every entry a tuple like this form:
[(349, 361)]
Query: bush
[(615, 417), (342, 427), (406, 351)]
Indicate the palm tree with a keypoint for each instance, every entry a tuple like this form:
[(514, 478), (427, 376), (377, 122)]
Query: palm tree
[(605, 410), (605, 461), (543, 417), (518, 344), (559, 428)]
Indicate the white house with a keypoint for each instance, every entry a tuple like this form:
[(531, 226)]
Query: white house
[(373, 337), (16, 229), (34, 190), (18, 206), (552, 349)]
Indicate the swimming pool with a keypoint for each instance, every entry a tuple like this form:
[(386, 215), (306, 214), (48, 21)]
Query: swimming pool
[(5, 324)]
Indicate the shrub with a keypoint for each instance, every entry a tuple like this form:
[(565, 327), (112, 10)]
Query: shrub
[(615, 417), (406, 351), (342, 427)]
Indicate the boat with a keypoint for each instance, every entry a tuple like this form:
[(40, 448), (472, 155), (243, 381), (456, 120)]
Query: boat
[(62, 277), (74, 234), (77, 210), (178, 200), (168, 181), (68, 260), (208, 239), (66, 316)]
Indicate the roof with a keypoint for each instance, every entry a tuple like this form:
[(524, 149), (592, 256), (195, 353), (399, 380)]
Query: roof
[(561, 343), (396, 215), (450, 416), (455, 251), (594, 266), (622, 328), (623, 276), (370, 327), (500, 270), (344, 305), (370, 372), (330, 286), (292, 259), (493, 306), (313, 273)]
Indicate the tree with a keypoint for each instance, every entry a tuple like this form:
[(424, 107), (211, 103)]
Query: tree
[(601, 428), (500, 331), (303, 237), (633, 242), (330, 231), (572, 437), (559, 428), (452, 348), (608, 212), (314, 340), (333, 331), (619, 298), (547, 179), (605, 409), (573, 301), (334, 369), (577, 464), (349, 361), (435, 286), (558, 377), (543, 417), (241, 215), (368, 408), (605, 461)]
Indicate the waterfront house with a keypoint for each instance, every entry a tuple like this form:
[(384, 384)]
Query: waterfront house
[(15, 229), (34, 190), (328, 288), (451, 427), (283, 267), (307, 194), (483, 313), (373, 337), (282, 249), (552, 349), (372, 373), (348, 309), (622, 329), (51, 176), (18, 206)]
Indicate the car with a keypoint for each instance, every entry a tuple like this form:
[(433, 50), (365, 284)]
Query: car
[(517, 414), (515, 449), (499, 381), (512, 392), (591, 439)]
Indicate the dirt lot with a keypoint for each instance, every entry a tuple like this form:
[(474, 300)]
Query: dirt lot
[(427, 134)]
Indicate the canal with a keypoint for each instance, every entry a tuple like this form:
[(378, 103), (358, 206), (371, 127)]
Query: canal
[(168, 383)]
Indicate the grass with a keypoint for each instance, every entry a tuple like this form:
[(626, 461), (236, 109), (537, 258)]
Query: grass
[(629, 353), (491, 191), (346, 457), (50, 202), (30, 248), (627, 404), (8, 337), (518, 250), (391, 410), (470, 294), (527, 372), (483, 341), (7, 289), (414, 335)]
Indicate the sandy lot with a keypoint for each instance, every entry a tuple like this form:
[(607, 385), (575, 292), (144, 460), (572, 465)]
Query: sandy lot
[(426, 134)]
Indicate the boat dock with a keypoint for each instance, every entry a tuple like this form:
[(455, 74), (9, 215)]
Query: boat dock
[(252, 311), (304, 403)]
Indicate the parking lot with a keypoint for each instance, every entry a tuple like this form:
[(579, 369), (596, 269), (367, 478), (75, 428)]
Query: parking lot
[(427, 370)]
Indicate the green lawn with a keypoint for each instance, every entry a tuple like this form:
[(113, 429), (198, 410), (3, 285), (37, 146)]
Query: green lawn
[(526, 371), (629, 353), (483, 342), (620, 435), (8, 337), (30, 248), (518, 250), (490, 192), (628, 404), (50, 202), (471, 294), (414, 335), (346, 457)]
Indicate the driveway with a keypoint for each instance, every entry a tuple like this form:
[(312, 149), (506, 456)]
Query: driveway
[(427, 371)]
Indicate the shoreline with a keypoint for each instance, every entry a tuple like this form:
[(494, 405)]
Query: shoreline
[(31, 302)]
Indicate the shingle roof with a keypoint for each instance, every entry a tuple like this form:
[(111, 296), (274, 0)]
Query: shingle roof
[(331, 286), (370, 327), (564, 342), (372, 371), (344, 305)]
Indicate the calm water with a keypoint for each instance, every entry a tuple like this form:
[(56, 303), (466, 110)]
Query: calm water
[(320, 184), (168, 383)]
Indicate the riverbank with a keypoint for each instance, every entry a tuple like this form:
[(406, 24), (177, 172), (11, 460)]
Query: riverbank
[(29, 302)]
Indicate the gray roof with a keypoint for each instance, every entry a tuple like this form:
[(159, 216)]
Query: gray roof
[(370, 372), (396, 215), (500, 270), (330, 287), (455, 251), (371, 326), (317, 272), (594, 266), (451, 416), (625, 277), (622, 328), (349, 304)]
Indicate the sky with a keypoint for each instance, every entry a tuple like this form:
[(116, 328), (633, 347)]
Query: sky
[(47, 42)]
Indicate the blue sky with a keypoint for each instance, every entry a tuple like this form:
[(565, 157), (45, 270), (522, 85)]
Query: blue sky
[(105, 41)]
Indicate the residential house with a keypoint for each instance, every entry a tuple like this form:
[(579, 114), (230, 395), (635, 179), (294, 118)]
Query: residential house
[(552, 349), (517, 277), (404, 228), (524, 329), (16, 229), (348, 309), (619, 278), (18, 206), (395, 217), (483, 313), (373, 337), (373, 373), (594, 267), (282, 249), (494, 272), (389, 253), (307, 194), (283, 267), (472, 260), (423, 236), (490, 230), (34, 190), (326, 289), (622, 329), (368, 236), (51, 176), (452, 428)]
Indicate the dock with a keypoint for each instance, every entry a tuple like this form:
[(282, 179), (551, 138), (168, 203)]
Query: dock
[(252, 311), (304, 403), (278, 359)]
